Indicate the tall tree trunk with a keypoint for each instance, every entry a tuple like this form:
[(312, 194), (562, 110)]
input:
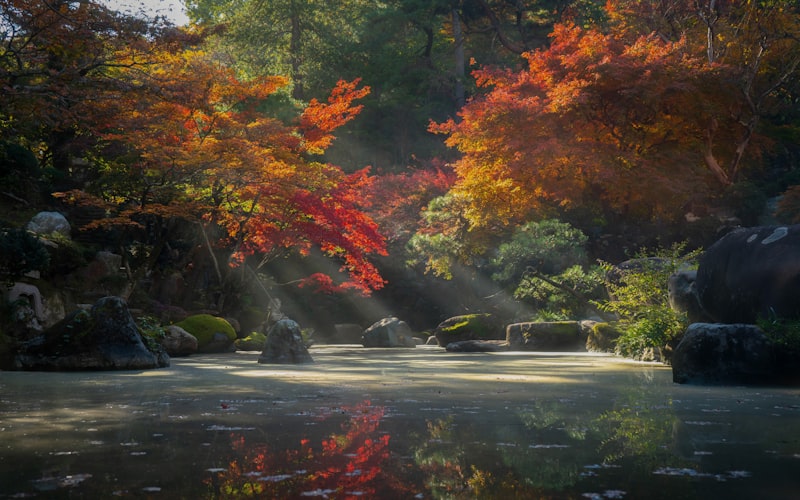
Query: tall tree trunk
[(295, 55), (458, 42)]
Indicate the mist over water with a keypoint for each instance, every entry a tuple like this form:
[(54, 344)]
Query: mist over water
[(394, 423)]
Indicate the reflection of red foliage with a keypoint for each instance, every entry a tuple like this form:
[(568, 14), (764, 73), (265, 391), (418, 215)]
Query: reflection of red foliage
[(348, 465)]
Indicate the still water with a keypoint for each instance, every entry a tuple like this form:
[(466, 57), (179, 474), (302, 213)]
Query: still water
[(404, 423)]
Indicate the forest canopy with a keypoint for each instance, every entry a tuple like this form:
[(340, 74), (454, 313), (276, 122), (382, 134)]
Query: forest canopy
[(337, 133)]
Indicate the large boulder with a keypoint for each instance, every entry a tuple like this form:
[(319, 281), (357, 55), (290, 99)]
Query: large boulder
[(715, 354), (102, 338), (284, 345), (546, 336), (213, 334), (469, 327), (751, 274), (49, 223), (682, 293), (388, 332)]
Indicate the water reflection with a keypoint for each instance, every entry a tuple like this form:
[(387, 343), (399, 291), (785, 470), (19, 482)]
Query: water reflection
[(372, 424), (354, 462)]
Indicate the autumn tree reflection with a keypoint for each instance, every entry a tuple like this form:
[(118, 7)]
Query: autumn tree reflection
[(354, 463)]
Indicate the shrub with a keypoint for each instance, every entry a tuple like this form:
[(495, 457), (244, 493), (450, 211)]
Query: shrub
[(640, 299), (562, 296), (550, 247), (21, 253)]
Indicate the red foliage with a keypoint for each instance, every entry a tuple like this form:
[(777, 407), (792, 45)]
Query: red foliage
[(345, 465)]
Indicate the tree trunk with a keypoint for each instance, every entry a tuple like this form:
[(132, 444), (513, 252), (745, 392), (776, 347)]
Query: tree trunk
[(458, 42)]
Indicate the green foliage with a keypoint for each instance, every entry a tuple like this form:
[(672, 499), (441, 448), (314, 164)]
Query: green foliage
[(564, 295), (68, 256), (151, 331), (550, 247), (545, 261), (20, 253), (640, 298), (783, 332), (204, 326)]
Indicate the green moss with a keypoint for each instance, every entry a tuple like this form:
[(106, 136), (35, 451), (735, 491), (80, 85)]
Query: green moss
[(253, 342), (477, 326), (204, 326), (602, 337)]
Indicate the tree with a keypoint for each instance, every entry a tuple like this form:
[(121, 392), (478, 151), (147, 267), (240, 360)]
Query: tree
[(593, 119), (58, 59), (757, 46), (197, 148)]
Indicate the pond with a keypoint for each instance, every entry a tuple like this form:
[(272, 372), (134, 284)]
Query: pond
[(401, 423)]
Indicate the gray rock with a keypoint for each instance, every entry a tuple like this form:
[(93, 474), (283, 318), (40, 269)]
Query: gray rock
[(469, 327), (285, 345), (683, 296), (103, 338), (178, 342), (718, 354), (546, 336), (388, 332), (750, 274), (47, 223)]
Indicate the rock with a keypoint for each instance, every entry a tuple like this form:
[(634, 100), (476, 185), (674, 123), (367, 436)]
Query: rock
[(285, 345), (546, 336), (432, 340), (751, 274), (253, 342), (388, 332), (48, 223), (469, 327), (683, 296), (178, 342), (601, 337), (716, 354), (104, 338), (475, 346), (213, 334)]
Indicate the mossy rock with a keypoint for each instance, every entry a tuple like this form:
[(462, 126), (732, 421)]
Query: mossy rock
[(546, 336), (602, 337), (468, 327), (253, 342), (207, 329)]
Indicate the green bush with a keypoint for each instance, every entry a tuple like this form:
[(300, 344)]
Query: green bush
[(204, 326), (563, 296), (549, 247), (21, 253), (640, 298)]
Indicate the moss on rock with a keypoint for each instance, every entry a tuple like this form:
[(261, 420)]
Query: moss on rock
[(205, 326), (253, 342), (468, 327)]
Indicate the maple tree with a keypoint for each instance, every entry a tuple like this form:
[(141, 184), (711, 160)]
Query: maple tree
[(58, 59), (196, 147), (596, 117)]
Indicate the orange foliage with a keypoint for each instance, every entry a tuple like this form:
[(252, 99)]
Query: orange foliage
[(192, 143), (595, 120)]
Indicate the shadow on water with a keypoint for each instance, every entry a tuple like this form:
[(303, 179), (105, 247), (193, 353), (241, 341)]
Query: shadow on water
[(403, 423)]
